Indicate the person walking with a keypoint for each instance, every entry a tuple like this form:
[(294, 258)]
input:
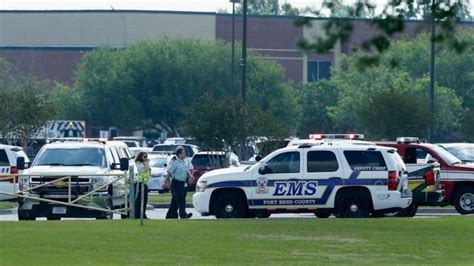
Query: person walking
[(178, 175), (142, 164)]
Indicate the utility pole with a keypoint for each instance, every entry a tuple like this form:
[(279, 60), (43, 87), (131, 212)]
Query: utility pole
[(232, 68), (432, 70), (243, 63)]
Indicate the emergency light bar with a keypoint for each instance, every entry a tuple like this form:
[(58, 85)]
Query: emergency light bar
[(337, 136), (101, 140), (407, 140)]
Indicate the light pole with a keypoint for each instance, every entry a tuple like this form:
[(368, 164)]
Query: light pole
[(243, 63), (432, 70), (232, 70)]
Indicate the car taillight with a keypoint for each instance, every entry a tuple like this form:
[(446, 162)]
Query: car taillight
[(430, 178), (392, 180), (14, 171)]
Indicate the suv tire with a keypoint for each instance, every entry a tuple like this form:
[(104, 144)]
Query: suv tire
[(107, 215), (464, 200), (323, 213), (230, 206), (353, 204)]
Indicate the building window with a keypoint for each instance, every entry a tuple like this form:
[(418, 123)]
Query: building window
[(318, 70)]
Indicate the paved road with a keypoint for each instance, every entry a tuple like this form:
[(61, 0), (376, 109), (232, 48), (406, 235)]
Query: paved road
[(160, 213)]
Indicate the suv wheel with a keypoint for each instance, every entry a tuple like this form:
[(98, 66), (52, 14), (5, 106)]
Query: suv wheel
[(230, 206), (107, 215), (464, 200), (353, 204), (323, 213)]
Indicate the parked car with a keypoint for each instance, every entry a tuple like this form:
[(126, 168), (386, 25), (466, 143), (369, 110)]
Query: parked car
[(132, 141), (134, 151), (8, 158), (85, 161), (204, 162), (456, 178), (463, 151), (350, 181), (158, 164), (171, 149)]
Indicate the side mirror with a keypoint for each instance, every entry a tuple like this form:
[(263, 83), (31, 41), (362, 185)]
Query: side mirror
[(258, 158), (124, 164), (265, 169), (432, 160), (20, 163)]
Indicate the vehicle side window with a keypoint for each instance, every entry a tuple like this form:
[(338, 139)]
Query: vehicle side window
[(4, 158), (412, 154), (288, 162), (365, 160), (322, 161)]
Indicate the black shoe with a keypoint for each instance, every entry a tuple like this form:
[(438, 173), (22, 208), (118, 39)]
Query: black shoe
[(187, 216)]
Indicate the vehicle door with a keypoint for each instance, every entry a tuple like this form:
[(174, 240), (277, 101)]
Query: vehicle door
[(119, 186), (321, 175), (277, 183), (416, 161)]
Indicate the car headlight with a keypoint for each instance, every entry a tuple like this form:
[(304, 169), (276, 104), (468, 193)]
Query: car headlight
[(201, 186), (97, 182), (24, 183)]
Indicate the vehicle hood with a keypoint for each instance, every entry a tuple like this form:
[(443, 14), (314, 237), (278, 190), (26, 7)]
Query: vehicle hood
[(48, 169), (231, 173)]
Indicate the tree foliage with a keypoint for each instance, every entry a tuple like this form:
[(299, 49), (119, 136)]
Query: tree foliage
[(268, 7), (24, 105), (151, 83), (389, 22), (229, 123)]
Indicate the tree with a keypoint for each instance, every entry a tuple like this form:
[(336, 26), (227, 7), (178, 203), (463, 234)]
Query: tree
[(363, 102), (226, 124), (24, 105), (150, 83), (389, 22), (314, 99), (269, 7)]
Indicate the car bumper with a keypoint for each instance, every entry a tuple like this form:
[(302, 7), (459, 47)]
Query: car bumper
[(38, 208), (435, 197), (201, 201), (383, 200)]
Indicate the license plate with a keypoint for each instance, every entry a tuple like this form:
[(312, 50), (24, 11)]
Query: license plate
[(59, 210)]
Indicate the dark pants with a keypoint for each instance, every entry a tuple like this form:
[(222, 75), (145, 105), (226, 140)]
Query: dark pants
[(178, 200), (138, 199)]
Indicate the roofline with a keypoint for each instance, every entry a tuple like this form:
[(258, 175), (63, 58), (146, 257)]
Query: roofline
[(58, 47), (192, 13)]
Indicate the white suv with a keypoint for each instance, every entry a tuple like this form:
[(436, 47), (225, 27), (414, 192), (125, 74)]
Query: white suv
[(83, 161), (345, 180), (8, 158)]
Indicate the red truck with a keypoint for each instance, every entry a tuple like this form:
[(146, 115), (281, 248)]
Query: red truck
[(456, 177)]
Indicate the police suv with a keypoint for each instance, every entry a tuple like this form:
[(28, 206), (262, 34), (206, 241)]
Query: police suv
[(347, 180)]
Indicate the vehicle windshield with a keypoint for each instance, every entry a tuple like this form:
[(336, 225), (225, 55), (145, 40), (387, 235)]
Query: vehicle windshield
[(465, 154), (158, 162), (72, 157), (444, 154), (208, 160), (130, 143)]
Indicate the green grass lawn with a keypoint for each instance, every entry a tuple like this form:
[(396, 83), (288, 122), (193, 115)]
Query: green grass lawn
[(166, 198), (253, 241), (5, 205)]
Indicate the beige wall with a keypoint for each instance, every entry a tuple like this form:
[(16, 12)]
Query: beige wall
[(96, 28)]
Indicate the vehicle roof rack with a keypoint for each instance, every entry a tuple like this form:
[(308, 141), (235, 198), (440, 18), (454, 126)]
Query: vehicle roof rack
[(337, 136), (76, 139)]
